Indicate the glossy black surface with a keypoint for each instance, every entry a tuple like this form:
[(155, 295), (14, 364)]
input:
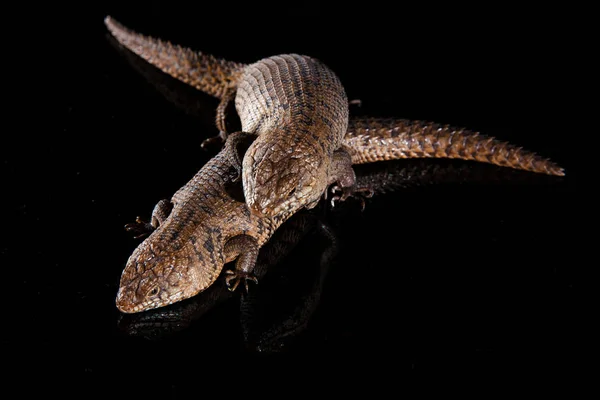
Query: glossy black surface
[(474, 277)]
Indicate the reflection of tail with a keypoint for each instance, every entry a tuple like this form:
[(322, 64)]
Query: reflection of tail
[(389, 176), (379, 139), (202, 71)]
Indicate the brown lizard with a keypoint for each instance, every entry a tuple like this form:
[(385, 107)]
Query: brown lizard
[(299, 110), (204, 226), (167, 320), (294, 104), (382, 177)]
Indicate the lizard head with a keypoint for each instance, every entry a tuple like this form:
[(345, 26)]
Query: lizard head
[(281, 177), (154, 278)]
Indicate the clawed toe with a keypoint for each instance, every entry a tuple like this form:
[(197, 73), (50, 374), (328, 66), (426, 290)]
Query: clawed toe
[(217, 140), (233, 279), (343, 193), (139, 228)]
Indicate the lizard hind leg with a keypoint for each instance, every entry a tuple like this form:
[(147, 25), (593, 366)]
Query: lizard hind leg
[(245, 248)]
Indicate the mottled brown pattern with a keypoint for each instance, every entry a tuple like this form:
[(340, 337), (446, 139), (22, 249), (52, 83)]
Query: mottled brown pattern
[(294, 104), (188, 250), (202, 71), (378, 139), (299, 110)]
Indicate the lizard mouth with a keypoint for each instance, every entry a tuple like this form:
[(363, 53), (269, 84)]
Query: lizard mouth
[(128, 307), (265, 211), (270, 208)]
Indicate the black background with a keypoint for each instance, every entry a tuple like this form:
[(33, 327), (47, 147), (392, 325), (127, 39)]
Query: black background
[(470, 278)]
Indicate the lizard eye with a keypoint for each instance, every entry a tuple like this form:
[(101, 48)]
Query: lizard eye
[(153, 291)]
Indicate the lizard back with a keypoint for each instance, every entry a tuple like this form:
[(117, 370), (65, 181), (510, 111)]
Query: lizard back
[(298, 108), (294, 104)]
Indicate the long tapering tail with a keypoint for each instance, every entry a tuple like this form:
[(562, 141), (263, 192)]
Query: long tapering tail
[(202, 71), (379, 139)]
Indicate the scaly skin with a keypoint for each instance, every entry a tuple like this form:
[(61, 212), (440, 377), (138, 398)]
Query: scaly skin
[(164, 321), (202, 71), (382, 178), (398, 138), (203, 227), (294, 104), (299, 109)]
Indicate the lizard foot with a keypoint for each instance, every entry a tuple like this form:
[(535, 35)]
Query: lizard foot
[(343, 193), (139, 228), (236, 276), (214, 141)]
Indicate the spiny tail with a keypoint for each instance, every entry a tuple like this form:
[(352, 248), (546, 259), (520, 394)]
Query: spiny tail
[(378, 139), (202, 71)]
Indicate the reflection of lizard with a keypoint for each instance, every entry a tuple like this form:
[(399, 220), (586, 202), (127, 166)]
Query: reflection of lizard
[(203, 226), (298, 110)]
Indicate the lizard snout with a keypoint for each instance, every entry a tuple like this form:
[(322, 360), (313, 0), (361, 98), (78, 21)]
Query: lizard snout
[(261, 209), (124, 304)]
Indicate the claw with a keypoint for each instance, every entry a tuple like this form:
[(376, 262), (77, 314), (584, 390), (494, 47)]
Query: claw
[(334, 199), (343, 193), (236, 277), (248, 279), (232, 277), (363, 204), (140, 228), (211, 141)]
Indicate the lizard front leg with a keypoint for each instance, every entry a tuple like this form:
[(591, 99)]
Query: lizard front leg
[(341, 175), (141, 228), (245, 248)]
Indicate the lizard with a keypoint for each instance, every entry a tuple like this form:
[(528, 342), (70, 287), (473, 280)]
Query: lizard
[(294, 104), (164, 321), (298, 110), (204, 226), (382, 177)]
